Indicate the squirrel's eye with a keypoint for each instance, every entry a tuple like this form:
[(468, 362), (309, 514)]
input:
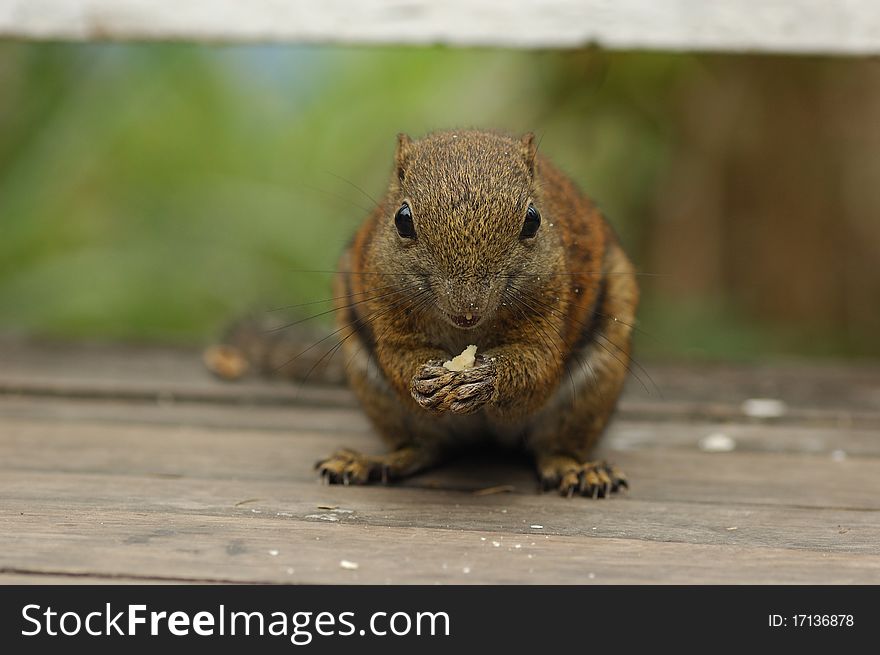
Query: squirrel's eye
[(403, 221), (531, 224)]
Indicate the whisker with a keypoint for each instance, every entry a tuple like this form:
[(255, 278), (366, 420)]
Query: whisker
[(295, 357), (318, 302), (637, 364), (616, 319), (545, 338), (333, 309), (631, 326), (581, 362), (627, 366), (355, 186), (419, 298), (418, 304), (570, 273), (334, 271), (348, 325), (338, 196), (555, 310)]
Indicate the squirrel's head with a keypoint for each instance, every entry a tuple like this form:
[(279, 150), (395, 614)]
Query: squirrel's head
[(463, 213)]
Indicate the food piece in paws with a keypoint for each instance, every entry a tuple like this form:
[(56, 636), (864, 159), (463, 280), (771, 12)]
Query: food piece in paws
[(462, 362)]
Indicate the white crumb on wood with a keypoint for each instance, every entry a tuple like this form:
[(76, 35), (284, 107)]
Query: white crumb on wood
[(462, 362), (273, 553), (717, 442), (349, 565), (764, 408), (536, 527)]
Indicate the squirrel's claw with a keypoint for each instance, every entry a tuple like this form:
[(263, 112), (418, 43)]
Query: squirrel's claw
[(348, 467), (430, 386), (345, 467), (590, 479)]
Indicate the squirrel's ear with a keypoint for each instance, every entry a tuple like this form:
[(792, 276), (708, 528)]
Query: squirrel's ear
[(402, 155), (529, 149)]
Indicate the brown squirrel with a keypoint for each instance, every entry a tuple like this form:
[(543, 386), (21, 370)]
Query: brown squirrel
[(481, 240)]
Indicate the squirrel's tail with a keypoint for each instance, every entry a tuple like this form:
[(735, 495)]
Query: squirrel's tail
[(254, 346)]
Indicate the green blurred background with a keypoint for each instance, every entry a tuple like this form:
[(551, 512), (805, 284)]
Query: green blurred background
[(153, 192)]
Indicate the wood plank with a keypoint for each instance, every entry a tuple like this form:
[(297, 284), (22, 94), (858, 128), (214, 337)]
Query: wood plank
[(832, 395), (37, 578), (154, 471), (171, 413), (218, 549), (624, 433), (657, 474), (146, 374), (730, 25), (509, 516)]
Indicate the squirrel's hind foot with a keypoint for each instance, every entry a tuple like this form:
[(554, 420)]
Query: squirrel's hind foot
[(570, 477), (351, 467)]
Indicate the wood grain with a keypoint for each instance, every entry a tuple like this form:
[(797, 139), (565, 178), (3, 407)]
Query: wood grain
[(223, 550), (289, 503), (832, 395), (626, 433), (161, 451), (197, 485)]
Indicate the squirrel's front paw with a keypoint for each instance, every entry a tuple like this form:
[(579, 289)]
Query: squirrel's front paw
[(462, 392)]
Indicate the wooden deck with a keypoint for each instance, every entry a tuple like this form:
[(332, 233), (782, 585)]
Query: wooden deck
[(122, 464)]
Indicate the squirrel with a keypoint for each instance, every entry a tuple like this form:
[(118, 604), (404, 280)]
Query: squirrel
[(480, 240)]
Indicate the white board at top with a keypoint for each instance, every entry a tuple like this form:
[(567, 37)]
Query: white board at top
[(794, 26)]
